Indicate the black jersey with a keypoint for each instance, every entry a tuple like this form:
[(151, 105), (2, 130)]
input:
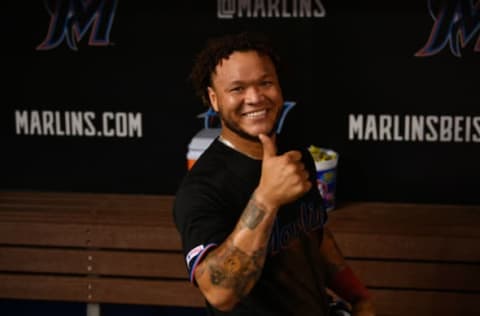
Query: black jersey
[(207, 207)]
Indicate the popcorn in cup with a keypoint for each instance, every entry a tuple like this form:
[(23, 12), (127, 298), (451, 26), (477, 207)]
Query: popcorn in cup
[(326, 166)]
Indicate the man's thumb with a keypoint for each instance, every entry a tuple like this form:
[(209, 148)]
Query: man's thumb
[(269, 147)]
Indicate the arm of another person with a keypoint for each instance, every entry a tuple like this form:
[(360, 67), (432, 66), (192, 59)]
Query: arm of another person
[(229, 272), (342, 280)]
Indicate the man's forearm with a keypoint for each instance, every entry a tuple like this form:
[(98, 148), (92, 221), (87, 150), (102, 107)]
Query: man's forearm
[(342, 280), (331, 253), (230, 271)]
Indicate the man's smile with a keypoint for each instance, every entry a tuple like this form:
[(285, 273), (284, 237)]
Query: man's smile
[(256, 114)]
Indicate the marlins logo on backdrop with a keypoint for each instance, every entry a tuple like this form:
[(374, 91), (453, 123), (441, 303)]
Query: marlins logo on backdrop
[(72, 20), (457, 24)]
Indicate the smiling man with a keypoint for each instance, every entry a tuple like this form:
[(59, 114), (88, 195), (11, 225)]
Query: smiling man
[(246, 93), (249, 211)]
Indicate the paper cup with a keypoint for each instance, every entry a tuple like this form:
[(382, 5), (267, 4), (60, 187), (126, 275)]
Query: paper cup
[(327, 178)]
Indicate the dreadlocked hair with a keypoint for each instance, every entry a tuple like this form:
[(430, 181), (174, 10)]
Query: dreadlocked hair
[(220, 48)]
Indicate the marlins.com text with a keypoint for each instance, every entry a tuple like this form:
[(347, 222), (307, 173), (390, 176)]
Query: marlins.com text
[(78, 123)]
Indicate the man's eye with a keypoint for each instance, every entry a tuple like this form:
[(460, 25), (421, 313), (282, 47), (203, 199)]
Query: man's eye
[(266, 83), (236, 89)]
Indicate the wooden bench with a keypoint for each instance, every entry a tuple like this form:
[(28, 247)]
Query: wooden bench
[(416, 259), (112, 248), (92, 248)]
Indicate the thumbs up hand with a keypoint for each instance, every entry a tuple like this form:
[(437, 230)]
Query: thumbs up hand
[(283, 179)]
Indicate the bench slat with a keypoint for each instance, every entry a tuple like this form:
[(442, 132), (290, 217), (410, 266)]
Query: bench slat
[(131, 237), (88, 262), (165, 265), (418, 275), (88, 235), (168, 293), (43, 234), (405, 247), (407, 219), (417, 303), (100, 290), (57, 261), (57, 288), (97, 209)]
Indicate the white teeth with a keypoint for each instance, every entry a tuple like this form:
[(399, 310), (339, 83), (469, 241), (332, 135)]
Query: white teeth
[(256, 114)]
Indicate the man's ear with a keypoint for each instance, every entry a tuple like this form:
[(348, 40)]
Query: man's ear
[(212, 96)]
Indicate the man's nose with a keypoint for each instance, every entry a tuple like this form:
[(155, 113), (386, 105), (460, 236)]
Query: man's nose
[(253, 95)]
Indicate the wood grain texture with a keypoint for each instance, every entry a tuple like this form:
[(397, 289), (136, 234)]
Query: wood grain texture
[(417, 259)]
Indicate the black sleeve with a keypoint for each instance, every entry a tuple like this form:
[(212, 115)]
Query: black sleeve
[(201, 220)]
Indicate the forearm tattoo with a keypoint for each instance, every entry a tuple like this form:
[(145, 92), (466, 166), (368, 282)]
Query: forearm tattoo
[(252, 215), (232, 268)]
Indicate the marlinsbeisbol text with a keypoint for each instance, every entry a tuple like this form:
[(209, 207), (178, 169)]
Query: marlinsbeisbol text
[(414, 128)]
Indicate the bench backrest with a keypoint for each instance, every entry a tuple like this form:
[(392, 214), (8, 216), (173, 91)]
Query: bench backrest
[(112, 248)]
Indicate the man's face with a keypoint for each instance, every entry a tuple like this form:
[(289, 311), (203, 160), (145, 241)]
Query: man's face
[(246, 93)]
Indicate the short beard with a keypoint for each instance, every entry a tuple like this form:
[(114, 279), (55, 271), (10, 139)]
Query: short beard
[(243, 134)]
